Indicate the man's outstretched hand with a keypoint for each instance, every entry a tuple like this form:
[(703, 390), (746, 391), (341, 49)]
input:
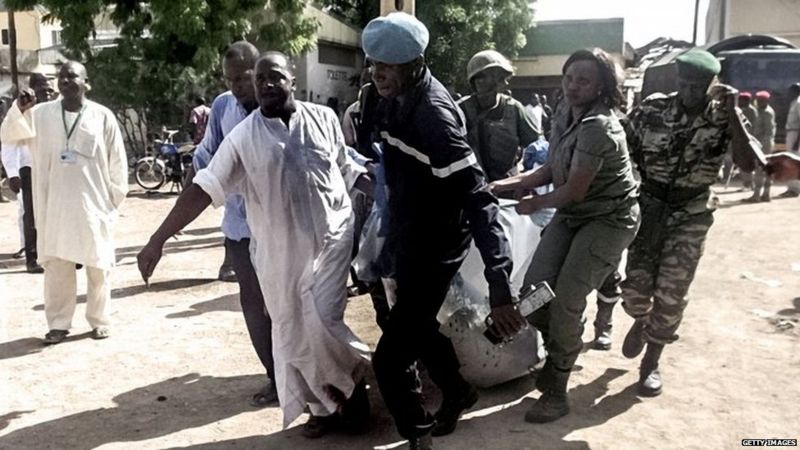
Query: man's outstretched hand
[(147, 260), (783, 166)]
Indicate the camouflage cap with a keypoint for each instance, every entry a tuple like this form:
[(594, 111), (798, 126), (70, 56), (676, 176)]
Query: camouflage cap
[(697, 64)]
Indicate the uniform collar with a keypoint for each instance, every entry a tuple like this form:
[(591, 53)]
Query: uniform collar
[(397, 111)]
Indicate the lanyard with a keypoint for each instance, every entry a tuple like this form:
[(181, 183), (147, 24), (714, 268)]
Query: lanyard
[(74, 124)]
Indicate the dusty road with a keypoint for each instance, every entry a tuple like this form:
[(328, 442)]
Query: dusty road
[(178, 369)]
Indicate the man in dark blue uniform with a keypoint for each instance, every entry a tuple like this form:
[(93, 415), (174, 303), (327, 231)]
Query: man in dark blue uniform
[(438, 202)]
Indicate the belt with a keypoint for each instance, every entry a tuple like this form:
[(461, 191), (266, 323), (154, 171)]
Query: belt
[(672, 195)]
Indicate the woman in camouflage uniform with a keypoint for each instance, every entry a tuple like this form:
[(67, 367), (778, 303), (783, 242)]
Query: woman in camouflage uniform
[(597, 215)]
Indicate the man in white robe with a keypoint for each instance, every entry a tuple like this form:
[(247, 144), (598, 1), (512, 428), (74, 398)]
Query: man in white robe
[(17, 161), (288, 161), (80, 178)]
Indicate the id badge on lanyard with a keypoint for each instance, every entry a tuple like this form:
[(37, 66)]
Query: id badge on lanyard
[(69, 156)]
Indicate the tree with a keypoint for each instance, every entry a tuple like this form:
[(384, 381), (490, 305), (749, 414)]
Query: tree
[(357, 12), (461, 28), (458, 29), (169, 50)]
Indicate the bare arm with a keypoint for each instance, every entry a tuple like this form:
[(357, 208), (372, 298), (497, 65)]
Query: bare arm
[(524, 181), (189, 205), (784, 166), (573, 191)]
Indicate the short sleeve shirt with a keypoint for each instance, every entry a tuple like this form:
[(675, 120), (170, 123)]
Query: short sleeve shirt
[(595, 141)]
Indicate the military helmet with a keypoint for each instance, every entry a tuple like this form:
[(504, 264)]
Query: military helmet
[(487, 59)]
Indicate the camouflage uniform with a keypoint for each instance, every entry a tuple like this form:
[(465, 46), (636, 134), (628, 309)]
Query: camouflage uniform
[(584, 241), (678, 161)]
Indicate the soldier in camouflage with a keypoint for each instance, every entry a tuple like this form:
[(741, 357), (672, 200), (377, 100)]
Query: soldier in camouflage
[(498, 128), (678, 142)]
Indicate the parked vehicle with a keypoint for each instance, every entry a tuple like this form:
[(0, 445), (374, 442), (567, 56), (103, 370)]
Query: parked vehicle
[(169, 163)]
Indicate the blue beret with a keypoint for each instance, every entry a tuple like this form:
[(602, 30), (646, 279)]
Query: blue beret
[(397, 38)]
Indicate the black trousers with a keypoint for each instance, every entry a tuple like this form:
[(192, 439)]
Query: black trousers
[(28, 221), (411, 335), (259, 325)]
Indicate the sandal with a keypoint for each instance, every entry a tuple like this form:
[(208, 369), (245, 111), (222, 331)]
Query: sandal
[(55, 336), (100, 333), (265, 397)]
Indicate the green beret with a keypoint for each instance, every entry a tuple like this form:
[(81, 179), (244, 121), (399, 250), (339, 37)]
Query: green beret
[(697, 64)]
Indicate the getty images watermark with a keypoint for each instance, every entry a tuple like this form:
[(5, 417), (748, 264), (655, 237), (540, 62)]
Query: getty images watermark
[(769, 442)]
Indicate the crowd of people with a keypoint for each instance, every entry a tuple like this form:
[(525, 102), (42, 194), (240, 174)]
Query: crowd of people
[(296, 188)]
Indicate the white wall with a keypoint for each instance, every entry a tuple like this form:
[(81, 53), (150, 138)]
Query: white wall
[(776, 17), (325, 80)]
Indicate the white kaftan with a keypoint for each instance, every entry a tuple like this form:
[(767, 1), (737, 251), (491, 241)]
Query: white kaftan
[(75, 199), (295, 185)]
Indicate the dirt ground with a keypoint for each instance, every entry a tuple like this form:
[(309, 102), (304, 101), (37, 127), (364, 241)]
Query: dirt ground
[(179, 369)]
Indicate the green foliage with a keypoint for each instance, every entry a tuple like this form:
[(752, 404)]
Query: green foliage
[(461, 28), (356, 12), (458, 28), (169, 50)]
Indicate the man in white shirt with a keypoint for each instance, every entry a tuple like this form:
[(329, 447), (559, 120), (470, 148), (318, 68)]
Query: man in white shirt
[(535, 111), (17, 161), (80, 178)]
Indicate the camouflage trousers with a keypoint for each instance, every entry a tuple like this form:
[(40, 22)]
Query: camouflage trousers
[(661, 268)]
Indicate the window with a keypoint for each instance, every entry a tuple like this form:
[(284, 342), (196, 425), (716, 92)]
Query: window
[(56, 35), (4, 38), (337, 56)]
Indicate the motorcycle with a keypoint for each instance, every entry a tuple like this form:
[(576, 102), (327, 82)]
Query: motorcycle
[(170, 163)]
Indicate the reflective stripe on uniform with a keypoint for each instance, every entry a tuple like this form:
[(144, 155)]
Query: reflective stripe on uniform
[(462, 163), (444, 172)]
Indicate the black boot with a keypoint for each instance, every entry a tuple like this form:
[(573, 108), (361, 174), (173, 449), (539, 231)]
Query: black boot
[(453, 404), (602, 324), (31, 261), (554, 402), (318, 426), (634, 340), (34, 267), (356, 411), (649, 378)]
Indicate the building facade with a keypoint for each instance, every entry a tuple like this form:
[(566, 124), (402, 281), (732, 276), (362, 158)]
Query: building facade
[(330, 73), (549, 44), (727, 18)]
